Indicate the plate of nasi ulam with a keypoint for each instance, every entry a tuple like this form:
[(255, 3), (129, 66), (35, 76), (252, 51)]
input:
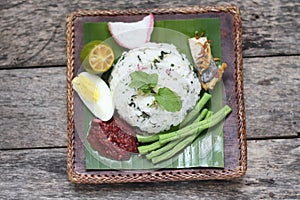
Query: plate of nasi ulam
[(149, 94)]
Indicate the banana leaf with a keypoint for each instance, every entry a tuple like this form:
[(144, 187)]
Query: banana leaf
[(208, 149)]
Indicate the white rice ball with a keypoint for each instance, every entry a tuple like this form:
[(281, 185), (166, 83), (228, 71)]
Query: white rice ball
[(174, 72)]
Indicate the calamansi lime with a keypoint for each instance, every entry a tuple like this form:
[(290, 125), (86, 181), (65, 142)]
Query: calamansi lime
[(97, 57), (88, 48), (101, 58)]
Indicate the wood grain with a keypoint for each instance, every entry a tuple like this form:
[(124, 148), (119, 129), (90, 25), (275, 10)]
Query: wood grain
[(271, 101), (40, 173), (33, 103), (33, 108), (32, 33)]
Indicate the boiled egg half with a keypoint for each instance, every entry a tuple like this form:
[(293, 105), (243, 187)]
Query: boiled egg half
[(95, 94)]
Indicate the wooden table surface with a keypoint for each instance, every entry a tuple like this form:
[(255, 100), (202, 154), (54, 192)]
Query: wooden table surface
[(33, 104)]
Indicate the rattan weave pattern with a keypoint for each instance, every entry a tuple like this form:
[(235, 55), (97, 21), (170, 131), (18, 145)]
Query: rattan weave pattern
[(163, 175)]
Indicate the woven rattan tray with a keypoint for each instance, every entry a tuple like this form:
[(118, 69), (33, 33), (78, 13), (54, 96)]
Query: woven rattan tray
[(235, 147)]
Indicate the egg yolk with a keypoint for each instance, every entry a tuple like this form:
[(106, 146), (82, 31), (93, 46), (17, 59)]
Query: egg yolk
[(86, 88)]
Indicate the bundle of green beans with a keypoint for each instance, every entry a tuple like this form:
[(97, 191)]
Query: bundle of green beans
[(162, 146)]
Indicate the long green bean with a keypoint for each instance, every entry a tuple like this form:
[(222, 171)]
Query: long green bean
[(204, 114), (189, 138), (196, 127), (180, 146), (163, 149), (146, 139), (147, 148), (196, 110)]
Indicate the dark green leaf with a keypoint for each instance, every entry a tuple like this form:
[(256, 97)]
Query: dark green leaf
[(168, 99), (146, 90), (142, 80)]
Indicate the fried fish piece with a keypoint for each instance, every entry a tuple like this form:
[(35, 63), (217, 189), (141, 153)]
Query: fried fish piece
[(209, 73)]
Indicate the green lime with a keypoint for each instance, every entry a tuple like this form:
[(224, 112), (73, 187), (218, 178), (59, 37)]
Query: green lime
[(97, 57), (88, 48), (101, 58)]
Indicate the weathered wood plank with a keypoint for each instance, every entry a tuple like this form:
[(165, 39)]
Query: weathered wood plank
[(33, 108), (272, 88), (33, 33), (33, 102), (41, 173)]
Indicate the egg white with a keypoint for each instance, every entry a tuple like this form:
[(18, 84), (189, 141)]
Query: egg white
[(103, 108)]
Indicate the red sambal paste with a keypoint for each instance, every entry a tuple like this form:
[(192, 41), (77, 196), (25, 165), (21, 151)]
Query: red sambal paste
[(113, 139)]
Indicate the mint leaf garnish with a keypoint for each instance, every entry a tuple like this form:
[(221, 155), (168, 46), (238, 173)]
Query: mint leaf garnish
[(165, 97), (143, 81), (168, 99)]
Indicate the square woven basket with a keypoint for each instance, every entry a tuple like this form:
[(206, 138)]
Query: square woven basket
[(235, 147)]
